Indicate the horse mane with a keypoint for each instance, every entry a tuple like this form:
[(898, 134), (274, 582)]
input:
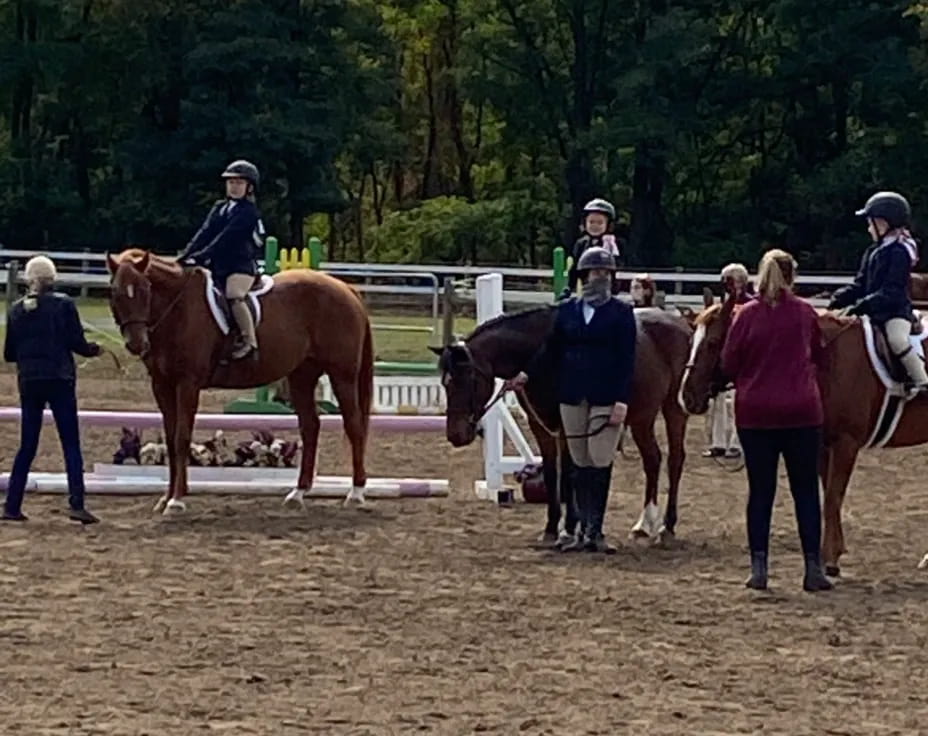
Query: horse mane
[(159, 264), (707, 315), (511, 319)]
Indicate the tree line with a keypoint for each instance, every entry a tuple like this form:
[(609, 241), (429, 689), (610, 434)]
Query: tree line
[(465, 131)]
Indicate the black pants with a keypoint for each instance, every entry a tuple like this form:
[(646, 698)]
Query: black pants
[(59, 395), (800, 449)]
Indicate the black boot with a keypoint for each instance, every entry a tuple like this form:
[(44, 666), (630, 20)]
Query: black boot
[(758, 579), (581, 486), (595, 539), (814, 580), (83, 516), (9, 515)]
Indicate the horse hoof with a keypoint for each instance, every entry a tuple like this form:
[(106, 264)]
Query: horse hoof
[(174, 507), (160, 504), (294, 499), (833, 571), (923, 565), (355, 498), (548, 539)]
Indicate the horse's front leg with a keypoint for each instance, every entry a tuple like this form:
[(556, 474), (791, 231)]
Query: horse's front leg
[(163, 389), (187, 398), (548, 448)]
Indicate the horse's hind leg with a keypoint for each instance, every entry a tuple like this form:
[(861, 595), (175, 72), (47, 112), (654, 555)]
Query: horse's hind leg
[(302, 383), (675, 422), (648, 524), (349, 402)]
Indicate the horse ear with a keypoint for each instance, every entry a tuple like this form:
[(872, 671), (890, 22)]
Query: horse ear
[(728, 306), (111, 263), (437, 351), (141, 265), (708, 298)]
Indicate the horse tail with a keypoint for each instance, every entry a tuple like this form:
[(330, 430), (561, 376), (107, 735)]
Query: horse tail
[(366, 379)]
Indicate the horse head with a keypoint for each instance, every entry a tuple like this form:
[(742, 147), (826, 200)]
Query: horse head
[(130, 297), (468, 387), (703, 377)]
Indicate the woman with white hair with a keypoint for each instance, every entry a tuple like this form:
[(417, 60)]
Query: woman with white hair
[(724, 439), (43, 329)]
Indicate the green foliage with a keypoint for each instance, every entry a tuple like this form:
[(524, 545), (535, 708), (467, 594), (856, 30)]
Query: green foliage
[(464, 130)]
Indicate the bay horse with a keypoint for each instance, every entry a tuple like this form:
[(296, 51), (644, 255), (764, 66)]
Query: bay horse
[(852, 395), (311, 323), (503, 346)]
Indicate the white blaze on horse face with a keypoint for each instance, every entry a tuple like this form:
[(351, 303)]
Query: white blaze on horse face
[(130, 291), (698, 337)]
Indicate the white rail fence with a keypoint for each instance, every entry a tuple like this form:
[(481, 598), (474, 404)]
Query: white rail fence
[(88, 270)]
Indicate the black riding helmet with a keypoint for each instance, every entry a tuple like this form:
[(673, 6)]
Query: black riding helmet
[(596, 258), (890, 206), (242, 169)]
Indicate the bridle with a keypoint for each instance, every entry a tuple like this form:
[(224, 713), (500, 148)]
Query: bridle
[(478, 411), (152, 328)]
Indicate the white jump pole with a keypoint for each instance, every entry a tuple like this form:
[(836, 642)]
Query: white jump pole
[(497, 422)]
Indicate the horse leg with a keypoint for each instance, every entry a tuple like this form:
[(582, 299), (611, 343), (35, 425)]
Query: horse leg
[(842, 456), (163, 390), (548, 448), (648, 524), (346, 392), (675, 422), (302, 382), (186, 397)]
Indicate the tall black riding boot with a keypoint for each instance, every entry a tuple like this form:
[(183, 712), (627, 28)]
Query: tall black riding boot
[(581, 486), (758, 579), (595, 539), (814, 579)]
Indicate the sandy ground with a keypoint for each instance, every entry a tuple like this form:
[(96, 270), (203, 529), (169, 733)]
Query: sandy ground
[(440, 616)]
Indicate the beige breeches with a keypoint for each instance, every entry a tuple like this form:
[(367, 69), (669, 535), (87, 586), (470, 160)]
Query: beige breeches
[(897, 335), (237, 287), (597, 451)]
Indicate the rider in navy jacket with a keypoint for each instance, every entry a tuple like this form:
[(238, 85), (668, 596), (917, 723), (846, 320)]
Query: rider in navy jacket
[(595, 360), (225, 240), (592, 346), (881, 288), (227, 243)]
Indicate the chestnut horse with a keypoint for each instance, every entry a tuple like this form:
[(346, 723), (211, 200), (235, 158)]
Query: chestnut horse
[(501, 347), (852, 395), (310, 324)]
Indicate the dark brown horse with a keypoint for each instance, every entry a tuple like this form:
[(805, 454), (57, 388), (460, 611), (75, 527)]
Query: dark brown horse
[(503, 346), (311, 324), (852, 394)]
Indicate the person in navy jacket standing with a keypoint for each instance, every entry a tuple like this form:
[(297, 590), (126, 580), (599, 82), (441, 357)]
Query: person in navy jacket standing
[(43, 330), (228, 243), (593, 348)]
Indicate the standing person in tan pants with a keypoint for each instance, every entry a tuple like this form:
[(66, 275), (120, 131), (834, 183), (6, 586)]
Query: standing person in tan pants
[(228, 243), (592, 346)]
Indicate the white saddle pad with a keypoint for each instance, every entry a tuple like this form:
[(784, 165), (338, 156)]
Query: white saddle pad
[(918, 345), (212, 298)]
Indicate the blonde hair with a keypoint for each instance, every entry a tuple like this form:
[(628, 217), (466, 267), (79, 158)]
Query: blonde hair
[(735, 271), (776, 274)]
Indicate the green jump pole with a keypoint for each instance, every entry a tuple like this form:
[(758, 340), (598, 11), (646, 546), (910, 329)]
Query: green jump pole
[(559, 262), (314, 245), (271, 254)]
